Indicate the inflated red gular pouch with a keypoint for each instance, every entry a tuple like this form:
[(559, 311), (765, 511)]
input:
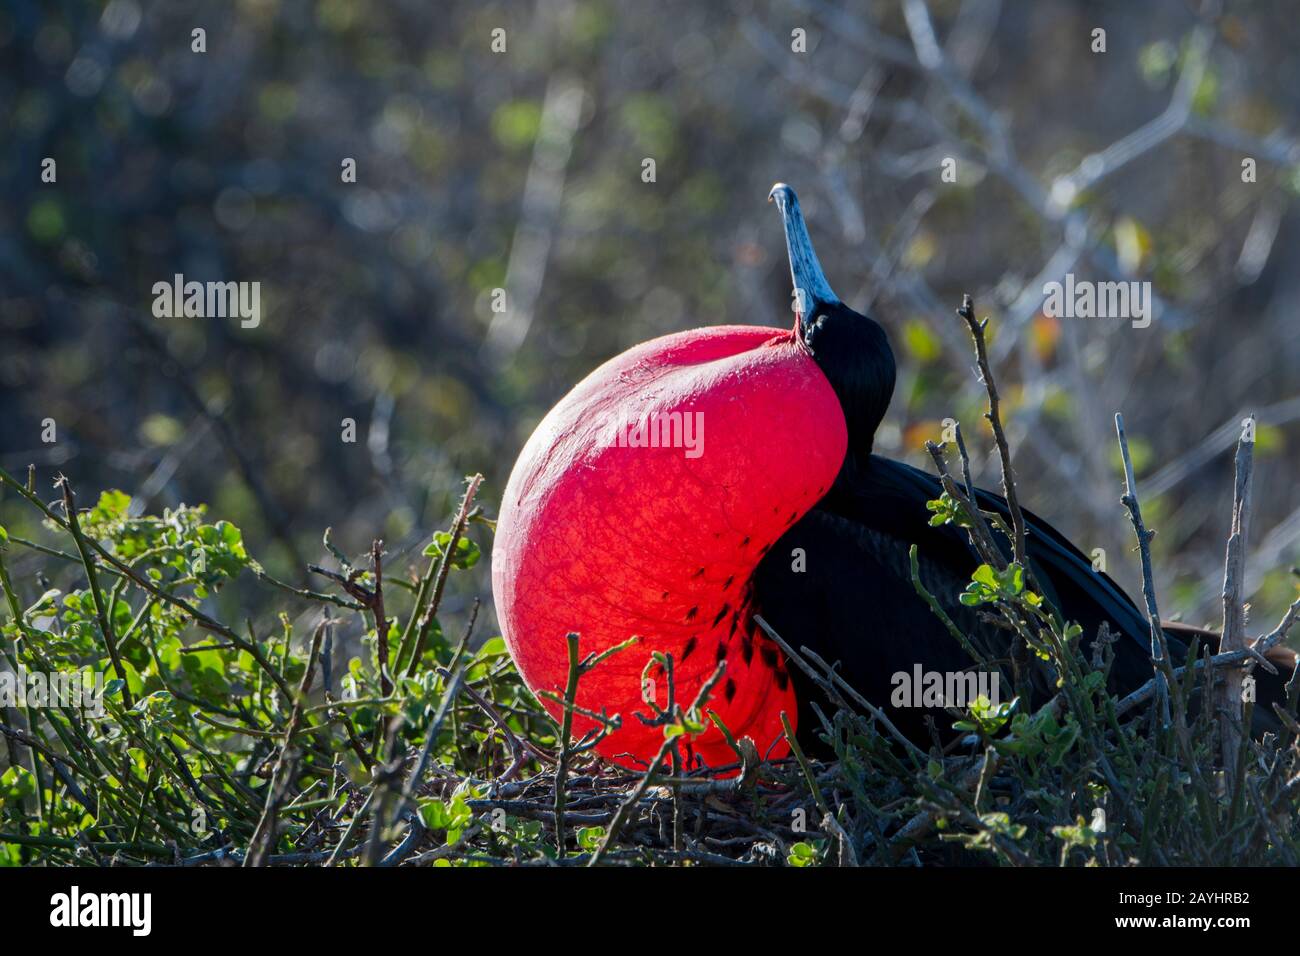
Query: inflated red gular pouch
[(641, 506)]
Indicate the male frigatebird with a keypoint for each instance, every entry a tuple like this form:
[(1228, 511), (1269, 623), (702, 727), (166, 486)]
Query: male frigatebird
[(705, 477)]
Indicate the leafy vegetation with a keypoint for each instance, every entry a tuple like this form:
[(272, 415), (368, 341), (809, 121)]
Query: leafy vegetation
[(276, 743), (260, 746)]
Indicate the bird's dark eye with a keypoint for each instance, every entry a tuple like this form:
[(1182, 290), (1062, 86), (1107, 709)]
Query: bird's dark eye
[(811, 325)]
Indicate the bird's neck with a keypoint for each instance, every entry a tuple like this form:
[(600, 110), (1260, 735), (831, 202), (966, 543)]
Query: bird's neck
[(854, 354)]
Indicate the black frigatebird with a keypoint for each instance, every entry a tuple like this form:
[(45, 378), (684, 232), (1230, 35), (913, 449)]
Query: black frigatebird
[(706, 477)]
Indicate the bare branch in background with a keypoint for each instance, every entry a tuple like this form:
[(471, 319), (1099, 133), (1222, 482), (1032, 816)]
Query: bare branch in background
[(539, 216), (1228, 695)]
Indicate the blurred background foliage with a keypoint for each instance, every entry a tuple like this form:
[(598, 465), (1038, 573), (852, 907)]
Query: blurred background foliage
[(522, 170)]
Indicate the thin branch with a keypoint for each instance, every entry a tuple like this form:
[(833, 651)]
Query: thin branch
[(1159, 646), (1227, 697), (281, 776), (429, 596), (96, 595), (967, 313)]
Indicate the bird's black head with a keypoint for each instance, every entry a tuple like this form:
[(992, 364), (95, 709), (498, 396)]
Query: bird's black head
[(852, 350)]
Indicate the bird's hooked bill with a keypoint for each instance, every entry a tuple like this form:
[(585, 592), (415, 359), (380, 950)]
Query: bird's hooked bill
[(810, 285)]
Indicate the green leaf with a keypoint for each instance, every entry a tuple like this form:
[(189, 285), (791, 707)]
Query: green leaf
[(492, 647), (111, 508), (16, 785), (465, 557), (802, 854), (589, 837), (451, 815), (1013, 579), (1000, 824)]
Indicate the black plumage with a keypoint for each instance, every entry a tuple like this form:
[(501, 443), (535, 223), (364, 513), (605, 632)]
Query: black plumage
[(853, 601)]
